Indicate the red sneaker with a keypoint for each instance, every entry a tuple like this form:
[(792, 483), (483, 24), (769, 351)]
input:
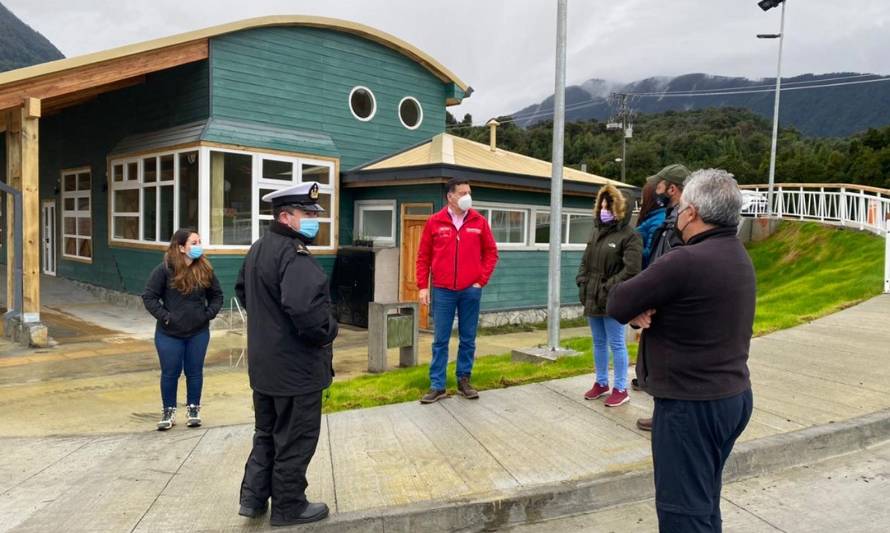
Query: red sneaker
[(617, 398), (597, 391)]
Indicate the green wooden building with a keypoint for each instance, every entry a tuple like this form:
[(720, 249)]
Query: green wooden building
[(191, 130)]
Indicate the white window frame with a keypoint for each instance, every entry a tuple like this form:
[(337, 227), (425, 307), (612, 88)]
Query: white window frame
[(525, 209), (375, 205), (419, 110), (77, 213), (373, 101), (257, 183), (568, 213)]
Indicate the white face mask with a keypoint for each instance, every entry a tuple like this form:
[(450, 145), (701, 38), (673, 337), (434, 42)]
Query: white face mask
[(465, 202)]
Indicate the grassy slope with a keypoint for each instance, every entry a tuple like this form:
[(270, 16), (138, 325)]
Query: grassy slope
[(804, 271)]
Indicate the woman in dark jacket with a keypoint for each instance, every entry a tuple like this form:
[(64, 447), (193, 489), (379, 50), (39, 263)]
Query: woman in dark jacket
[(612, 256), (184, 295), (652, 214)]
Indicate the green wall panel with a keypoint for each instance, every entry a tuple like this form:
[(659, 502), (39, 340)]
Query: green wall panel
[(520, 280), (301, 78)]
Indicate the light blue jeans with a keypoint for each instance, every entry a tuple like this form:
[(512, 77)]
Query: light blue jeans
[(607, 334)]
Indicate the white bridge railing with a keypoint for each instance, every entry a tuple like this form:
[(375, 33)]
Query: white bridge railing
[(854, 206)]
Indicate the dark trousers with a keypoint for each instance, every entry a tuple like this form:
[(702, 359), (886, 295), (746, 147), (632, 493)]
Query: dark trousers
[(177, 354), (284, 440), (691, 441)]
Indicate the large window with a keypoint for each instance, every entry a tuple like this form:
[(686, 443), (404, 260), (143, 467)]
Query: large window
[(376, 220), (524, 226), (145, 192), (152, 195), (77, 224)]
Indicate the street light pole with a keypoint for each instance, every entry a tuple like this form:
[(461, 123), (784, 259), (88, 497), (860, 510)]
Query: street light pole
[(772, 158), (559, 109)]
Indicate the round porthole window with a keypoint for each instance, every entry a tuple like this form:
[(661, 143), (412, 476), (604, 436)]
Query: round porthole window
[(362, 103), (410, 113)]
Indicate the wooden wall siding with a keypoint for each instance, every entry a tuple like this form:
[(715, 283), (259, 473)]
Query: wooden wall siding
[(520, 280), (408, 194), (84, 135), (301, 78), (3, 201)]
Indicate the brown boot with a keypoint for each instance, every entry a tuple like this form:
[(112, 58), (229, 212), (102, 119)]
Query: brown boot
[(464, 387), (645, 424), (434, 395)]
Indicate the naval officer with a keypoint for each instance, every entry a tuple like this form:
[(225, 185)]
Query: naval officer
[(290, 329)]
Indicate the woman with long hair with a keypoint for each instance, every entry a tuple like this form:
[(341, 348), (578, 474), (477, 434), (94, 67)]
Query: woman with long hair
[(651, 217), (184, 295), (612, 255)]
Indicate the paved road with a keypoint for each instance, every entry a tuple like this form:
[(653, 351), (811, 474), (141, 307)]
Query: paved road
[(848, 493)]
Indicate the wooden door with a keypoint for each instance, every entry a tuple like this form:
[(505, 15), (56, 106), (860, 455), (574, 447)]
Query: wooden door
[(412, 229)]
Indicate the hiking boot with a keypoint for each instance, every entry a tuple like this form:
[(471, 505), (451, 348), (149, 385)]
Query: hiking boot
[(635, 385), (253, 512), (597, 391), (618, 397), (467, 390), (313, 513), (434, 395), (194, 419), (168, 419), (645, 424)]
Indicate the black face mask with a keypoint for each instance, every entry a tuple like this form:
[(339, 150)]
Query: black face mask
[(663, 200)]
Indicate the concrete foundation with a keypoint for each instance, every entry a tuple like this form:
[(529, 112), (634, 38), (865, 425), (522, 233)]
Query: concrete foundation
[(526, 316), (539, 355)]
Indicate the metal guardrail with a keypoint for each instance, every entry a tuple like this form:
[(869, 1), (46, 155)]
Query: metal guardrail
[(854, 206)]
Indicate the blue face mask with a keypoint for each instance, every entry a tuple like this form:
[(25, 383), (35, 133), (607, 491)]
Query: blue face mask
[(196, 251), (308, 227)]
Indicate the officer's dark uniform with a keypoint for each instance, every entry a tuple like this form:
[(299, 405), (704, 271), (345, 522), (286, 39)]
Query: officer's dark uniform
[(290, 329)]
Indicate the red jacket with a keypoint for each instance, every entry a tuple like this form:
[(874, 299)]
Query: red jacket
[(457, 259)]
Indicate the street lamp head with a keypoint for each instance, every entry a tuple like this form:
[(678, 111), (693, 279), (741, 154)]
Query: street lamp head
[(766, 5), (768, 35), (618, 160)]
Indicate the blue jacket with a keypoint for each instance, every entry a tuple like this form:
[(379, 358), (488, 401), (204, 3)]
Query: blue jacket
[(646, 229)]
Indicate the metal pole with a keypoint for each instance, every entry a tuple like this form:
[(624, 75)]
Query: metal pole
[(623, 150), (772, 158), (559, 108)]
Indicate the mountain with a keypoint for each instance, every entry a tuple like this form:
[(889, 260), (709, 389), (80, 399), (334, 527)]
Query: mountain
[(825, 112), (21, 46)]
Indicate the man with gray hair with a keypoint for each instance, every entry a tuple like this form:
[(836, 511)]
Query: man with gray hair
[(697, 305)]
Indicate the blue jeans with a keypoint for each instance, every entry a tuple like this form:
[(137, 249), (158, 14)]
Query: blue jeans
[(445, 303), (176, 355), (609, 333)]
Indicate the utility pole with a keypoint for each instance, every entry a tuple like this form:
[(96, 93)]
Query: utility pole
[(623, 119), (559, 110), (767, 5)]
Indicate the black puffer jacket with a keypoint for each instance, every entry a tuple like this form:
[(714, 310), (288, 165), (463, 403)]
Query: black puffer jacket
[(180, 315), (613, 255)]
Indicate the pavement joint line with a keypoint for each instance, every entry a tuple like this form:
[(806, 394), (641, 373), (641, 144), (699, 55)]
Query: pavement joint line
[(828, 380), (167, 484), (546, 385), (327, 422), (484, 447), (54, 463), (752, 513)]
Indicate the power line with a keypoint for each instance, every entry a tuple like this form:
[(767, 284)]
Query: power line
[(766, 85)]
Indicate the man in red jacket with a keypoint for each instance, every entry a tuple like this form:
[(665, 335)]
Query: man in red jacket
[(458, 249)]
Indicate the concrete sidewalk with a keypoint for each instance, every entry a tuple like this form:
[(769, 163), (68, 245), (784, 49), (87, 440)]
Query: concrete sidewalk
[(518, 454)]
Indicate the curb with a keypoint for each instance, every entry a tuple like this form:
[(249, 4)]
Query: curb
[(555, 500)]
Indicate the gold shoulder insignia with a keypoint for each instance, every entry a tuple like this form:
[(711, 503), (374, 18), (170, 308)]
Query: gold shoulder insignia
[(301, 248)]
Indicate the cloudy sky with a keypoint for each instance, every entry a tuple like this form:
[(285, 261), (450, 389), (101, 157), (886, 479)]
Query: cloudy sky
[(505, 48)]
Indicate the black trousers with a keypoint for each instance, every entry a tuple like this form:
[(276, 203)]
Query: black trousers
[(284, 440), (691, 441)]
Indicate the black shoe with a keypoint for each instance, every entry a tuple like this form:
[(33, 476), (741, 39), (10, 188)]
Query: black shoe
[(253, 512), (635, 385), (313, 513)]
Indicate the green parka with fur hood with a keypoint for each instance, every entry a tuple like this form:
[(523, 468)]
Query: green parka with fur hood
[(613, 253)]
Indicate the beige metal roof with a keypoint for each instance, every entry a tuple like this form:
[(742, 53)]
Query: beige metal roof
[(355, 28), (452, 150)]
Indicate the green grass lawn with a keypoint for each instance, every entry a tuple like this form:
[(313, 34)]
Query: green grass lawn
[(804, 271)]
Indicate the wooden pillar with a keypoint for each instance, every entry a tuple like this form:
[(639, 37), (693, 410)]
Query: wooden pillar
[(13, 179), (217, 197), (30, 161)]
